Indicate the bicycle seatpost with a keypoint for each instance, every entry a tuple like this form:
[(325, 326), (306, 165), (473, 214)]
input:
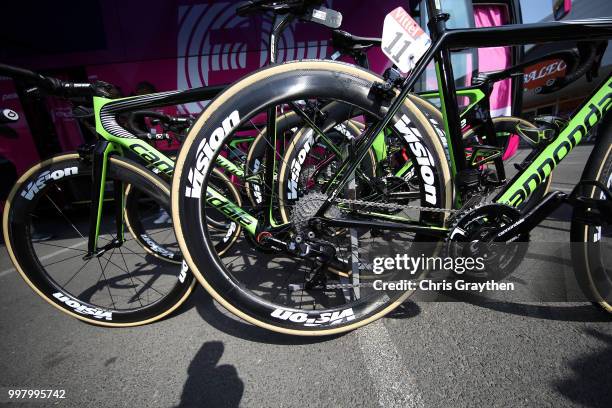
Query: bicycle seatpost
[(278, 26)]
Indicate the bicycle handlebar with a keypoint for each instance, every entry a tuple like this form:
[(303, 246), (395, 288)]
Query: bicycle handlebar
[(588, 57), (169, 123), (579, 62), (55, 86)]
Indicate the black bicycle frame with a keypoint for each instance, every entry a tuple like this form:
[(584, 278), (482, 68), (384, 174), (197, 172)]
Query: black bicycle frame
[(445, 40)]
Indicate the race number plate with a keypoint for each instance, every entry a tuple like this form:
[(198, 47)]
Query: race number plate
[(403, 40)]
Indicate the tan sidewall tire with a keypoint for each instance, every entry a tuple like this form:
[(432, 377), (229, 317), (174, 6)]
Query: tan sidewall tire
[(144, 245), (5, 220), (216, 104), (607, 307)]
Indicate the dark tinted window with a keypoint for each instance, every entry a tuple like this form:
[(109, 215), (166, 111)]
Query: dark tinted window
[(51, 27)]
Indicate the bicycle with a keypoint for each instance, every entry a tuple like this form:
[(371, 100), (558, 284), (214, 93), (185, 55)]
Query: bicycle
[(317, 305), (477, 125), (136, 192)]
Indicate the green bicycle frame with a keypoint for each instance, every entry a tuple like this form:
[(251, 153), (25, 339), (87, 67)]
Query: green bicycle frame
[(156, 161), (585, 118)]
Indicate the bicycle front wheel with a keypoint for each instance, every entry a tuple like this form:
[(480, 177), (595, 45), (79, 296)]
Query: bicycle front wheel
[(46, 220), (592, 243)]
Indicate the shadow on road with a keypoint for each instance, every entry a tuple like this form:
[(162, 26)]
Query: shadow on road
[(209, 384), (569, 313), (406, 310), (222, 320), (591, 383)]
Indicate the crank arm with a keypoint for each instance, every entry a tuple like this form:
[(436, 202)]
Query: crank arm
[(550, 203)]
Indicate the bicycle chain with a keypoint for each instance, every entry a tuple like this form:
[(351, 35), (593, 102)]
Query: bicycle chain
[(387, 206), (398, 207)]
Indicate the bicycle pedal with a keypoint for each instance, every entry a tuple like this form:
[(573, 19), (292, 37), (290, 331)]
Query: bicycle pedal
[(595, 211)]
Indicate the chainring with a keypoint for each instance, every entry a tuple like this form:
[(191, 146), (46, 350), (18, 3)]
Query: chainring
[(471, 235)]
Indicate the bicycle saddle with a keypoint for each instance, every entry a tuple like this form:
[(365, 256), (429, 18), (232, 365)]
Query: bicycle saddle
[(348, 42)]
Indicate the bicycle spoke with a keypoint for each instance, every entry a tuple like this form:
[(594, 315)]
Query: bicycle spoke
[(130, 275), (77, 272), (64, 216), (103, 275)]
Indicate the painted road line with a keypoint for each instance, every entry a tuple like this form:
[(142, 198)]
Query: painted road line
[(42, 258), (395, 385)]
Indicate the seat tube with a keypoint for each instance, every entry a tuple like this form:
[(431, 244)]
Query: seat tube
[(450, 111), (278, 25), (446, 88)]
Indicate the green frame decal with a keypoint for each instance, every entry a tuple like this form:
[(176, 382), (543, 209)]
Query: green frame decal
[(589, 115)]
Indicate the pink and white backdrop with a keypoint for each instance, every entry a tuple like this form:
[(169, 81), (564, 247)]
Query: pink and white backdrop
[(191, 43)]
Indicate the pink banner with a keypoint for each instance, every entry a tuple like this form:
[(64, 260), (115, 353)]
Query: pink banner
[(495, 58)]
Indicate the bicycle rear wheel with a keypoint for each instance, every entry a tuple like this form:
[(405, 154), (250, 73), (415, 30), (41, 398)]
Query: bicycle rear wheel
[(225, 232), (46, 227), (271, 289)]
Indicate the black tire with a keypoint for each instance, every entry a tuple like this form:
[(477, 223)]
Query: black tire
[(66, 179), (274, 85), (590, 253)]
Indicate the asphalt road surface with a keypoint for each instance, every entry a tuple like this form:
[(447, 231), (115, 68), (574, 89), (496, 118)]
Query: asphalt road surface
[(452, 354)]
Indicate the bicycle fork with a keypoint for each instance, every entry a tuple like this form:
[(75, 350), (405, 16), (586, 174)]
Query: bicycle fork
[(100, 159)]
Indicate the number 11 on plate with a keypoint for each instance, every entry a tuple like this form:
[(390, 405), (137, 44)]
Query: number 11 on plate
[(403, 41)]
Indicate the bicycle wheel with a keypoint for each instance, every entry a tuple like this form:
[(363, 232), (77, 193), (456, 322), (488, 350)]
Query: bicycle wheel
[(592, 244), (46, 227), (287, 125), (226, 232), (254, 164), (269, 289), (310, 162)]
